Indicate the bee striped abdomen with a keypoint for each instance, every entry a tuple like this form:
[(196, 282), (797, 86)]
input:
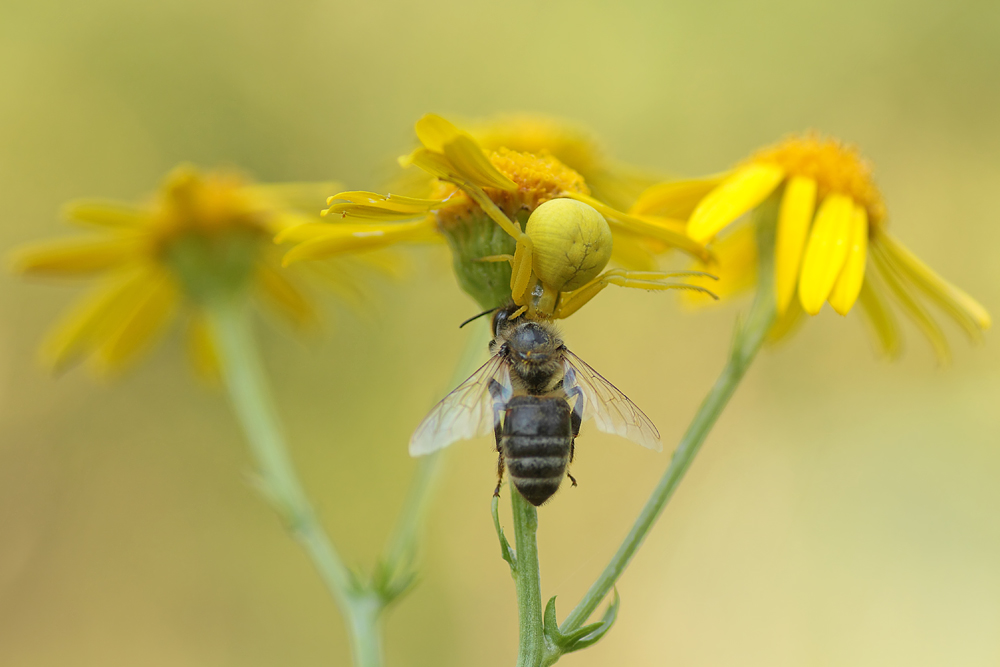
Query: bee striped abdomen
[(536, 440)]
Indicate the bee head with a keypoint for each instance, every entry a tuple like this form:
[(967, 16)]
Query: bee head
[(502, 321)]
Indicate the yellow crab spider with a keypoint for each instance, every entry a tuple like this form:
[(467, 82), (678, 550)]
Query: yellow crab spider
[(566, 245)]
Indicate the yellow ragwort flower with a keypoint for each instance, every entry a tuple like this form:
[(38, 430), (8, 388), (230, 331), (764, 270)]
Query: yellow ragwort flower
[(520, 224), (202, 237), (831, 227)]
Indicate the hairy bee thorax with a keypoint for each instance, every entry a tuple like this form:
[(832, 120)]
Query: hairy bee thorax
[(532, 348)]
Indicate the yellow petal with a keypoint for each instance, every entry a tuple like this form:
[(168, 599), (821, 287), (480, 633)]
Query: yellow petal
[(201, 349), (661, 229), (845, 291), (281, 293), (76, 257), (464, 157), (786, 324), (435, 164), (734, 266), (798, 203), (676, 199), (364, 212), (879, 317), (356, 238), (472, 165), (630, 252), (81, 329), (434, 132), (389, 202), (736, 195), (910, 305), (963, 308), (282, 220), (141, 326), (111, 215), (826, 251)]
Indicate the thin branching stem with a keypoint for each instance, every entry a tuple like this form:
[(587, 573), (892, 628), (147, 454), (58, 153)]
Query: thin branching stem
[(747, 341), (362, 603), (246, 382)]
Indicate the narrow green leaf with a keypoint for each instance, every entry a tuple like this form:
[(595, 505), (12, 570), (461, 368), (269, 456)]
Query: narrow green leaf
[(505, 551)]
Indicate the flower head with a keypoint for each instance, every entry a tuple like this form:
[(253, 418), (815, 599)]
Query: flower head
[(831, 231), (203, 237), (482, 202)]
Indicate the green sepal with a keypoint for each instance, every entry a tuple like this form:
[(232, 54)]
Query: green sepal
[(390, 584), (210, 268), (471, 238), (583, 637), (505, 551)]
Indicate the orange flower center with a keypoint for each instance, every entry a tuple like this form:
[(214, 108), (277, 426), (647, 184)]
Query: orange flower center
[(208, 206), (539, 178), (836, 167)]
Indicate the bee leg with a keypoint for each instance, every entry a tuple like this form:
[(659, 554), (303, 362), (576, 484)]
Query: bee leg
[(647, 280), (496, 491), (575, 419), (498, 407)]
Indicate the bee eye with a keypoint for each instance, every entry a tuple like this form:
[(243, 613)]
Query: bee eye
[(499, 319)]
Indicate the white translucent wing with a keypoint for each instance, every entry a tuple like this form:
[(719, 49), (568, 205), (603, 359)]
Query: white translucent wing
[(466, 412), (610, 409)]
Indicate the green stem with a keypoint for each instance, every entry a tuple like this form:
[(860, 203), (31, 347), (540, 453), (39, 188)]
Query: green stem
[(746, 343), (527, 582), (244, 377)]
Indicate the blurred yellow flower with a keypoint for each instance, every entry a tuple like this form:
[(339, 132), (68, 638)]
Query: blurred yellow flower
[(476, 187), (831, 220), (202, 237)]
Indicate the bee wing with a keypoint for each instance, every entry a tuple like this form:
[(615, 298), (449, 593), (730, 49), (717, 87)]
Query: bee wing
[(466, 412), (610, 409)]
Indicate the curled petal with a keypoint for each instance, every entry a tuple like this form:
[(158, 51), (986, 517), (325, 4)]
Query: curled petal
[(740, 192), (826, 251)]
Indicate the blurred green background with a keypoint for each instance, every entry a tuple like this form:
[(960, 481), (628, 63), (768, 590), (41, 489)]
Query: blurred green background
[(844, 511)]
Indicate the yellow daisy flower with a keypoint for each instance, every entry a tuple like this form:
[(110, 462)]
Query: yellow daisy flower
[(202, 237), (613, 182), (520, 224), (831, 232)]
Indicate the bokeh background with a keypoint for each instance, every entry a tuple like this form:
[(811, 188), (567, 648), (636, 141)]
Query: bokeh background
[(845, 511)]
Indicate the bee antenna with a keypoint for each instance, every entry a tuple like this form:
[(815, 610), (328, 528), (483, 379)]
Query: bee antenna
[(476, 317)]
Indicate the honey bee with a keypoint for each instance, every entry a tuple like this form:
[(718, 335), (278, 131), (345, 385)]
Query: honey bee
[(533, 394)]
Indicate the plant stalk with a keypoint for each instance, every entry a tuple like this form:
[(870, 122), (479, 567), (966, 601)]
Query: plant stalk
[(527, 582), (747, 341), (246, 383)]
